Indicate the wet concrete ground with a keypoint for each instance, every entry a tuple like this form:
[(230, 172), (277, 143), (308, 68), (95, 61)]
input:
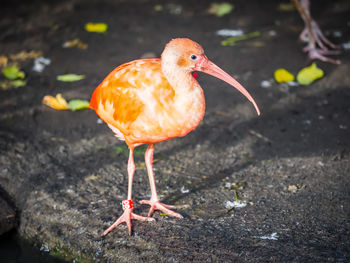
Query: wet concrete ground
[(66, 173)]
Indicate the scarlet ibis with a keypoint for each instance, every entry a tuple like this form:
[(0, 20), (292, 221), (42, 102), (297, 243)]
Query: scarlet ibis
[(152, 100), (318, 45)]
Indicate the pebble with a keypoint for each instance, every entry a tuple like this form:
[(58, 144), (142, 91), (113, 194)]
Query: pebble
[(266, 84), (40, 63), (229, 32), (235, 204)]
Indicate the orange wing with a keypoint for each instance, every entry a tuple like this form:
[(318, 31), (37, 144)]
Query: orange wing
[(135, 99)]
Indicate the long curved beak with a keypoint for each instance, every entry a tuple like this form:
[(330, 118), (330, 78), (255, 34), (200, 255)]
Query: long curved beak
[(206, 66)]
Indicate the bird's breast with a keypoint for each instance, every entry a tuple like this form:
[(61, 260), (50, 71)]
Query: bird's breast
[(175, 117)]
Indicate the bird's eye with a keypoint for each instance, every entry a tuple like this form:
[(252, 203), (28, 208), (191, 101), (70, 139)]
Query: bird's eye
[(193, 57)]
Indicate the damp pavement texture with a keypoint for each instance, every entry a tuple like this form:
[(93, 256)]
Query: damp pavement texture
[(274, 188)]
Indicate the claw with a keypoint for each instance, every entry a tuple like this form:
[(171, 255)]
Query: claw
[(126, 217), (319, 54), (157, 205)]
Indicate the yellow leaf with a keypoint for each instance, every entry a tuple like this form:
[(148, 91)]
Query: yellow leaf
[(282, 75), (75, 43), (57, 103), (3, 61), (96, 27), (309, 74), (24, 55)]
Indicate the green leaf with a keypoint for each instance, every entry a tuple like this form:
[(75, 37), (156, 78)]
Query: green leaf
[(309, 74), (70, 77), (13, 73), (285, 7), (220, 9), (231, 41), (18, 83), (78, 104)]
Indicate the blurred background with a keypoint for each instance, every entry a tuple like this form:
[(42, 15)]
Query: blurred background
[(62, 173)]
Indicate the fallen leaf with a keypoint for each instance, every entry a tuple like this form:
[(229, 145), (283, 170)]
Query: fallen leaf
[(13, 73), (24, 55), (285, 7), (70, 77), (231, 41), (3, 61), (309, 74), (57, 103), (96, 27), (282, 75), (220, 9), (18, 83), (75, 43), (78, 104)]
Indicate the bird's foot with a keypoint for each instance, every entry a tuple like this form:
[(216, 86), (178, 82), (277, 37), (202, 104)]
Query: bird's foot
[(317, 53), (321, 46), (157, 205), (126, 217)]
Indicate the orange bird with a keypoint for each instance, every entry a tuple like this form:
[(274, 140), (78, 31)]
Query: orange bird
[(152, 100)]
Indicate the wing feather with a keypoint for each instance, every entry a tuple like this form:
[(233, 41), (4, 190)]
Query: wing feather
[(131, 97)]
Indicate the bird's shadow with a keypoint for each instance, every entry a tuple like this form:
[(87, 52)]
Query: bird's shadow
[(315, 126)]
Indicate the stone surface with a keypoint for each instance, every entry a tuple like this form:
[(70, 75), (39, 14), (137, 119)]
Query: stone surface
[(8, 218), (67, 173)]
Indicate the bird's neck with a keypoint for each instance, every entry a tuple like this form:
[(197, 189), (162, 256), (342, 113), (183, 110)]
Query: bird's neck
[(181, 81), (189, 103), (179, 78)]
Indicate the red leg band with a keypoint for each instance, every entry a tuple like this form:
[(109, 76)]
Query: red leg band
[(127, 204)]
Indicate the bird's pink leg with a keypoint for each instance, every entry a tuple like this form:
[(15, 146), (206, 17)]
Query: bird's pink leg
[(154, 201), (128, 214), (317, 42)]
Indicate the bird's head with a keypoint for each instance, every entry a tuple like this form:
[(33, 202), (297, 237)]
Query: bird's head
[(182, 53), (188, 56)]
